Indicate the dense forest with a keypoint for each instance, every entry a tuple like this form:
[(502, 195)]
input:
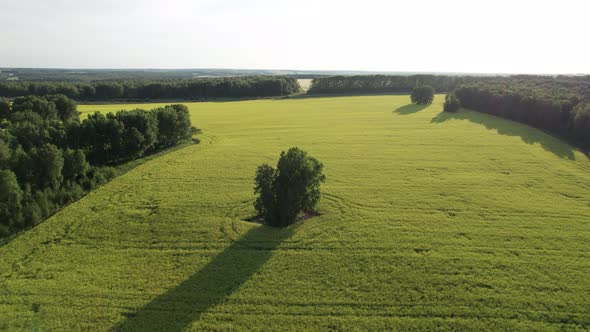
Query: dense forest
[(441, 83), (49, 158), (562, 108), (384, 83), (128, 90)]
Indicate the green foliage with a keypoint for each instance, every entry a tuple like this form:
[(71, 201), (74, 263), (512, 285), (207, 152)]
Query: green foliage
[(11, 196), (452, 103), (174, 124), (422, 95), (384, 83), (48, 162), (101, 175), (264, 188), (4, 108), (56, 159), (102, 137), (141, 131), (239, 86), (65, 107), (292, 188), (39, 105), (5, 154), (562, 110), (130, 134), (75, 165), (580, 123)]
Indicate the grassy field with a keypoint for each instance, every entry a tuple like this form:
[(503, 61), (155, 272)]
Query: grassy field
[(429, 221)]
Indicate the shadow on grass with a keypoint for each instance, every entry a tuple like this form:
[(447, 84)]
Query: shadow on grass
[(178, 307), (507, 127), (341, 94), (410, 109)]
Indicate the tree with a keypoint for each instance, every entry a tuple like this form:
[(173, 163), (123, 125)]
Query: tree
[(174, 124), (141, 131), (23, 166), (452, 103), (10, 201), (293, 188), (422, 95), (580, 123), (265, 179), (75, 165), (29, 129), (66, 108), (4, 108), (39, 105), (255, 86), (102, 136), (5, 154), (49, 163)]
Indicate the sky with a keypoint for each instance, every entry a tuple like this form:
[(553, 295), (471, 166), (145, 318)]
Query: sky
[(515, 36)]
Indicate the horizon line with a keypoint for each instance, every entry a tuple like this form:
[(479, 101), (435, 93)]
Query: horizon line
[(298, 70)]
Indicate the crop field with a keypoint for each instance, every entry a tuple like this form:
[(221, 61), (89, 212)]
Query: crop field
[(429, 221)]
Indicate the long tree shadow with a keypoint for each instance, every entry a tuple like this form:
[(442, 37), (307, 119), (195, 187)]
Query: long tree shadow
[(176, 309), (507, 127), (410, 109)]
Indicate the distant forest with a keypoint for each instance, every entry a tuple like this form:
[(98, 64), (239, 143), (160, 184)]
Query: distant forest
[(441, 83), (132, 90), (89, 75)]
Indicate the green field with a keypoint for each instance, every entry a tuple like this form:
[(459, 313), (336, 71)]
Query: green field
[(429, 221)]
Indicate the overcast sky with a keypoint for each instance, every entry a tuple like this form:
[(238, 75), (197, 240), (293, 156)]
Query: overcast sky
[(499, 36)]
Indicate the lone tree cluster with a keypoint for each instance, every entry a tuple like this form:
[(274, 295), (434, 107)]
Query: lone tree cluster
[(289, 190), (422, 95)]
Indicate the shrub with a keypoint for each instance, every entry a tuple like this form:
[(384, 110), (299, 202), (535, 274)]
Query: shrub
[(290, 189), (452, 103), (102, 175), (422, 95)]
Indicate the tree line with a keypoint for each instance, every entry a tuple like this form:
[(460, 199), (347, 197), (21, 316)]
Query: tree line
[(383, 83), (49, 158), (441, 83), (561, 108), (252, 86)]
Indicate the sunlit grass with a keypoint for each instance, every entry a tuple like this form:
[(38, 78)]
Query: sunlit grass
[(429, 220)]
